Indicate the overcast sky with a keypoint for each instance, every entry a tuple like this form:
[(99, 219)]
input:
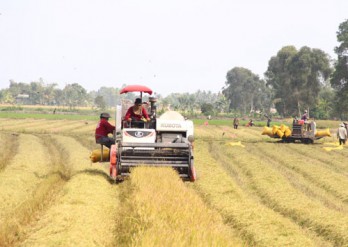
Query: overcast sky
[(170, 46)]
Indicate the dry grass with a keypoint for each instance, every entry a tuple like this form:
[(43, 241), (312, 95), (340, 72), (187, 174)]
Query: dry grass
[(159, 210)]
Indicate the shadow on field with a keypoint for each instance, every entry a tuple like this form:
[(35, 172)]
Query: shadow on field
[(96, 173), (67, 177)]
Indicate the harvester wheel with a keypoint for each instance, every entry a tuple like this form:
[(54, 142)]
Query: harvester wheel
[(192, 172), (113, 162)]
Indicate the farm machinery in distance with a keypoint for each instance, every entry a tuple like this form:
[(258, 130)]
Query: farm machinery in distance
[(300, 132)]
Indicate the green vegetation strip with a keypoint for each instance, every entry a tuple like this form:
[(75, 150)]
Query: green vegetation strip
[(259, 225)]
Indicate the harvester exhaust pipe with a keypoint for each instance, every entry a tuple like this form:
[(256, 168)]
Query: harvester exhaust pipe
[(153, 100)]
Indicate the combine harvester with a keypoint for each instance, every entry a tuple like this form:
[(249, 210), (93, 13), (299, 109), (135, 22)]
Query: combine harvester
[(298, 133), (162, 142)]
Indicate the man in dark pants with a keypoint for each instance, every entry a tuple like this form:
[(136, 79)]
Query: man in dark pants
[(342, 134), (235, 123), (268, 121), (103, 129)]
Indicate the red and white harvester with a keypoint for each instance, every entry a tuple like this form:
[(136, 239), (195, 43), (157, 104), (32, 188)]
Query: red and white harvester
[(164, 141)]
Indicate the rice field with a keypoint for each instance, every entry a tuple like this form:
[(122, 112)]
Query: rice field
[(251, 191)]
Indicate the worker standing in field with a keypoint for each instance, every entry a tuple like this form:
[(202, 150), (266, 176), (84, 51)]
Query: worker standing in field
[(342, 134), (268, 120), (103, 129), (305, 119), (235, 123)]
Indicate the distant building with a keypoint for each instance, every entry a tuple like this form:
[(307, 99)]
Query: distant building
[(22, 99)]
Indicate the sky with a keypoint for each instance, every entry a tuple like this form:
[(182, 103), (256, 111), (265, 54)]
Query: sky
[(171, 46)]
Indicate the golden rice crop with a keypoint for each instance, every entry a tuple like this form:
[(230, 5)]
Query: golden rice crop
[(7, 122), (263, 192), (336, 161), (23, 124), (276, 192), (48, 126), (25, 187), (26, 170), (84, 212), (259, 225), (311, 189), (313, 169), (9, 146), (160, 210)]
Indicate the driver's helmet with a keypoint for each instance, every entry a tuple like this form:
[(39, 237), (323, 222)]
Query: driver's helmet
[(105, 115)]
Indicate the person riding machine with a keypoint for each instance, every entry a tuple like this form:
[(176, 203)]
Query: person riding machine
[(136, 115)]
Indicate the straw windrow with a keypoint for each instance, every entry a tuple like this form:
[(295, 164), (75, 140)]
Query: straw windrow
[(9, 146), (277, 193), (258, 225), (160, 210), (84, 214)]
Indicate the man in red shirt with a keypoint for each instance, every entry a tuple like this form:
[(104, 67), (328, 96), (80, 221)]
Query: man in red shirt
[(103, 129)]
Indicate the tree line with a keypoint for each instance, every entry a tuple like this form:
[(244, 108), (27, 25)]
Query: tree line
[(295, 80)]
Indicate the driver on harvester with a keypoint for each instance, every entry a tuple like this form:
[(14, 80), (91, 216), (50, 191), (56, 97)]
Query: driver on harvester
[(137, 113)]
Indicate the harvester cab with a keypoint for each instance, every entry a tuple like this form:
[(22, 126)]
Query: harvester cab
[(165, 141)]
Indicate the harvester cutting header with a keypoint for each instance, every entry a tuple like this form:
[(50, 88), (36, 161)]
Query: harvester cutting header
[(142, 139)]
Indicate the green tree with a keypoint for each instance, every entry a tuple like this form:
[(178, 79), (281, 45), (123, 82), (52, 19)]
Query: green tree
[(74, 95), (297, 77), (324, 108), (242, 87), (6, 96), (207, 109), (339, 79), (100, 102)]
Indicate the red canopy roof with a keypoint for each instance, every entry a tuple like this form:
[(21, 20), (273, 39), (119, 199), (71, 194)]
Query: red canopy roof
[(136, 88)]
